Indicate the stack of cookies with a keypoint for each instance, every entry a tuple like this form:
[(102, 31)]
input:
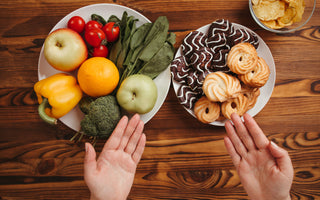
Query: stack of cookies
[(219, 72)]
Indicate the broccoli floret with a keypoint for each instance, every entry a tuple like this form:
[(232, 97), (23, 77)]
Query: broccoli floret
[(102, 116), (84, 104)]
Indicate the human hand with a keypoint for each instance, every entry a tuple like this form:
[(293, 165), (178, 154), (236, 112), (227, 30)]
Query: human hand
[(111, 175), (265, 170)]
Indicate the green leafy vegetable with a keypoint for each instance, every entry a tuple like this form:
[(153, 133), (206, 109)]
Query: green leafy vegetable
[(146, 50)]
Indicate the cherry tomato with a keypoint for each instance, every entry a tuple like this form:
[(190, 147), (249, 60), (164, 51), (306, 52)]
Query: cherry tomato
[(93, 24), (100, 51), (112, 31), (94, 36), (76, 23)]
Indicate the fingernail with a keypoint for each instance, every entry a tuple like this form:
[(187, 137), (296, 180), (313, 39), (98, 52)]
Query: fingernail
[(86, 147), (274, 144)]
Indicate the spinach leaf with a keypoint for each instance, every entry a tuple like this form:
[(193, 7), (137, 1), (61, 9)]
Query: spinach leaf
[(161, 60)]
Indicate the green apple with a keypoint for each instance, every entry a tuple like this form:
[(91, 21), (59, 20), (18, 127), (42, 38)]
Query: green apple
[(137, 94), (65, 50)]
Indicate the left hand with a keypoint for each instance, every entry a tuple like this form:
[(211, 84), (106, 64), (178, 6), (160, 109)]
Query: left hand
[(111, 175), (265, 170)]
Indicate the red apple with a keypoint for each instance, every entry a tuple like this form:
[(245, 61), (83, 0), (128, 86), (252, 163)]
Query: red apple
[(65, 50)]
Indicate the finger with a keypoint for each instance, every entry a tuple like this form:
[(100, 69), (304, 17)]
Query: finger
[(260, 140), (232, 151), (136, 156), (134, 139), (242, 132), (114, 141), (237, 143), (131, 127), (282, 158), (90, 163)]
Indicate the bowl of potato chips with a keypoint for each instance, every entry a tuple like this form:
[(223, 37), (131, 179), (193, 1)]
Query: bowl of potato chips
[(282, 16)]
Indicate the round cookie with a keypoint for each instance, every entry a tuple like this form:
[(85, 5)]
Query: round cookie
[(237, 105), (258, 76), (252, 94), (242, 58), (206, 111), (219, 86)]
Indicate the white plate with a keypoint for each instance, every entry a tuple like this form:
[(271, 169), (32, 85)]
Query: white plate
[(265, 91), (73, 118)]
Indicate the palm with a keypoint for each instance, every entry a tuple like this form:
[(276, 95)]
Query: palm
[(112, 175), (258, 168)]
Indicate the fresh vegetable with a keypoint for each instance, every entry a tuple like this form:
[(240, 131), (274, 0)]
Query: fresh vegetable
[(146, 50), (57, 95), (101, 116), (93, 24), (100, 51), (76, 23), (112, 30), (98, 18), (94, 37), (98, 76)]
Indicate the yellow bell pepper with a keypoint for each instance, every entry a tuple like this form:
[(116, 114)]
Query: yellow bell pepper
[(57, 95)]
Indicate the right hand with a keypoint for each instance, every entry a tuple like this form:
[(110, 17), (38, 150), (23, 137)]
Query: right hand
[(265, 170)]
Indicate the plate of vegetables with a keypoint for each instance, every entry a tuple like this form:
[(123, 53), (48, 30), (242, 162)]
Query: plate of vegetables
[(109, 12)]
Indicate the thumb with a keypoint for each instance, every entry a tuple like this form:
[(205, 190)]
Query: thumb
[(90, 162), (282, 158)]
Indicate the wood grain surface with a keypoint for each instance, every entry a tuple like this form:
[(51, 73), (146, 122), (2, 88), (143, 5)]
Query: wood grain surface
[(183, 159)]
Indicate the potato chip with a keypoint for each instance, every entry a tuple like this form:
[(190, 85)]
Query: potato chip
[(255, 2), (299, 6), (277, 14), (272, 24), (269, 10), (289, 14)]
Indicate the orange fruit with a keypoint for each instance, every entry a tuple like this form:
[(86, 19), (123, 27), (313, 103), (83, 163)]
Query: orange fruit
[(98, 76)]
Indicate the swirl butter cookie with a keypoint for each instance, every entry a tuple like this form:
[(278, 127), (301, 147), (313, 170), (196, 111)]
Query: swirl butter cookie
[(219, 86), (206, 111), (252, 94), (258, 76), (242, 58), (237, 105)]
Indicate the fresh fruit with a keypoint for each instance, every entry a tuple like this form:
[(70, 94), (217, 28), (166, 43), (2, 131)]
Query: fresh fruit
[(112, 31), (137, 94), (94, 36), (76, 23), (100, 51), (93, 24), (98, 76), (65, 50)]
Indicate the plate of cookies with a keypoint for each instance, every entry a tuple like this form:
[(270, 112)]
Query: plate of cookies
[(222, 68)]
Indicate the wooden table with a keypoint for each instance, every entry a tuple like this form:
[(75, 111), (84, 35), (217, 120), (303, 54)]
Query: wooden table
[(183, 159)]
